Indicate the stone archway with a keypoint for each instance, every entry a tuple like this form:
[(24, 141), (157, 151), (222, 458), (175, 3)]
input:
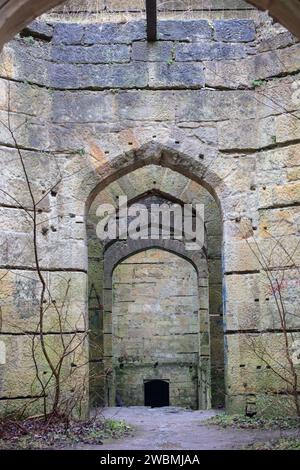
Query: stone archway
[(157, 329), (118, 251)]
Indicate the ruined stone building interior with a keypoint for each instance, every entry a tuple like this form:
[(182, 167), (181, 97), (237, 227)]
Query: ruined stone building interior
[(208, 113)]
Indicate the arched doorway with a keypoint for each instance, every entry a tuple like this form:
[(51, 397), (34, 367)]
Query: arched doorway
[(156, 393), (155, 328), (103, 261)]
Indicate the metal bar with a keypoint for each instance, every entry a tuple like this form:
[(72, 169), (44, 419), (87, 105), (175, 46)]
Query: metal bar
[(151, 11)]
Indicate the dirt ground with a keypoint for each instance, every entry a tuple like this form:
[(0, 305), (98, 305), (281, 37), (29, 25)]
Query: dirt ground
[(173, 428)]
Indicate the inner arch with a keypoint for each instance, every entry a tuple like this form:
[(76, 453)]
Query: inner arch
[(155, 327)]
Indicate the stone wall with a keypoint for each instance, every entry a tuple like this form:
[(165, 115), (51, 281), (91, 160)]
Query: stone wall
[(156, 326), (217, 101), (115, 10)]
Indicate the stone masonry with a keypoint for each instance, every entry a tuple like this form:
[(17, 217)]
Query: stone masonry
[(155, 322), (209, 112)]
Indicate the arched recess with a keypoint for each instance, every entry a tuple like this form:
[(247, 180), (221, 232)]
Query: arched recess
[(144, 178), (16, 14), (155, 328)]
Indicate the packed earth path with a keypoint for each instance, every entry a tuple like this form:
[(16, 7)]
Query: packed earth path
[(172, 428)]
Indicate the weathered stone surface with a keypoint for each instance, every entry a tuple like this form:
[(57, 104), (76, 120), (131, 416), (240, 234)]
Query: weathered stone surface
[(278, 159), (95, 54), (247, 134), (119, 5), (287, 127), (68, 33), (20, 302), (250, 373), (18, 374), (234, 30), (92, 107), (252, 72), (38, 29), (187, 30), (208, 105), (145, 306), (178, 75), (153, 52), (209, 51), (280, 195), (87, 76), (110, 33), (276, 41), (149, 106)]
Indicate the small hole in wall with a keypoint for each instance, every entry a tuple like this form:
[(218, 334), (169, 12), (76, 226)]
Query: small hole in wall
[(121, 366), (106, 152), (45, 372), (253, 187), (238, 219), (154, 137), (177, 142), (242, 365), (155, 365), (265, 227), (267, 299), (258, 367), (264, 187), (53, 229), (53, 193), (254, 228), (73, 365), (130, 143), (72, 216), (201, 156), (40, 211), (268, 367), (256, 300), (154, 182)]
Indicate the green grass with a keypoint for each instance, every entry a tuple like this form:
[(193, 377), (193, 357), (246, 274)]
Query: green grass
[(116, 429), (57, 436), (29, 39), (257, 83), (285, 443), (257, 422)]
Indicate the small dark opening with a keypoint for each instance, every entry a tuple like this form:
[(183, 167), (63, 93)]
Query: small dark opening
[(156, 393)]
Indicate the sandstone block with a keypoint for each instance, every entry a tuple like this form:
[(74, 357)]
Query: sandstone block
[(208, 51), (178, 75), (234, 30), (187, 30)]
